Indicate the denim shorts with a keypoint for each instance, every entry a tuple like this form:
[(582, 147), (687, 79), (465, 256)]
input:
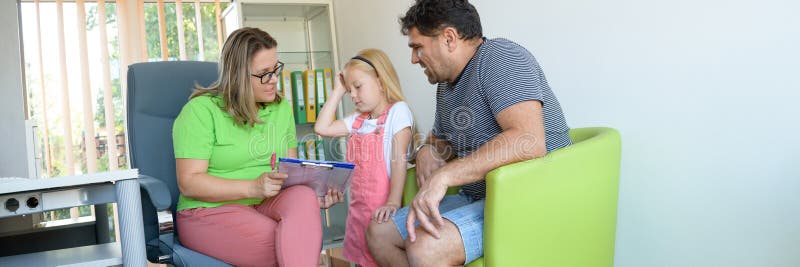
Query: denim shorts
[(465, 212)]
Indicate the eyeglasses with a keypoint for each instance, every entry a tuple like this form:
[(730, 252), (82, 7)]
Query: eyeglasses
[(267, 76)]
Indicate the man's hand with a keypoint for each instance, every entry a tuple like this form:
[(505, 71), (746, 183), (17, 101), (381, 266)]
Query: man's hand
[(425, 207), (332, 197), (427, 163)]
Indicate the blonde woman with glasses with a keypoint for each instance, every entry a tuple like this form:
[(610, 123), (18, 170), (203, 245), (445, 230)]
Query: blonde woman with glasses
[(231, 206)]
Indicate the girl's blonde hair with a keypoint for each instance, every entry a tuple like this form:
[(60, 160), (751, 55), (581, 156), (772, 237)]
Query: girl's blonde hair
[(233, 85), (380, 67)]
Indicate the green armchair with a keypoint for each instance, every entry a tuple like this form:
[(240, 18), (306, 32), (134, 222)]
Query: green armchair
[(558, 210)]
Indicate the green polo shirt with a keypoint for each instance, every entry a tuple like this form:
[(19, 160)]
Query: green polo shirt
[(204, 131)]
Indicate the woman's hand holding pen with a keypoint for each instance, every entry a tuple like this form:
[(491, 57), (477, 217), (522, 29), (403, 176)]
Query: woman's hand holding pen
[(268, 184)]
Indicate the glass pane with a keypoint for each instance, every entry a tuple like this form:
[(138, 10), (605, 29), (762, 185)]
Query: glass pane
[(208, 22)]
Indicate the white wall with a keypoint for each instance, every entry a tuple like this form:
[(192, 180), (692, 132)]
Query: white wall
[(13, 155), (364, 24), (704, 93)]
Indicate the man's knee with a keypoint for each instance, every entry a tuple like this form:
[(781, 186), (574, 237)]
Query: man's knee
[(378, 233), (424, 251), (373, 231), (427, 250)]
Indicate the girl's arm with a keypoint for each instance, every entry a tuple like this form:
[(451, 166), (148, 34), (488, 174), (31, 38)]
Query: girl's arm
[(400, 142), (325, 124)]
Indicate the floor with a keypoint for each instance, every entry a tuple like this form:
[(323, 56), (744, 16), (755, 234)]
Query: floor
[(329, 258), (333, 258)]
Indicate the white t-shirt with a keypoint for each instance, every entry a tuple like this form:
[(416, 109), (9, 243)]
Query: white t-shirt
[(399, 118)]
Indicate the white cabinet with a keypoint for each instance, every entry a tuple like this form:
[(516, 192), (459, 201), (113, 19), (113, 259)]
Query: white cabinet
[(304, 30)]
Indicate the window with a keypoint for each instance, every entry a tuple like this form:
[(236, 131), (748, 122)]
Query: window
[(76, 53)]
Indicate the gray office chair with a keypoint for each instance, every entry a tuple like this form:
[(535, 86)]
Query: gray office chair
[(156, 93)]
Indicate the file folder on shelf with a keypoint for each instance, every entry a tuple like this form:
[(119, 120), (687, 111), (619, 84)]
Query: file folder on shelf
[(328, 80), (319, 175), (311, 150), (301, 151), (310, 90), (286, 86), (321, 89), (320, 150), (299, 97)]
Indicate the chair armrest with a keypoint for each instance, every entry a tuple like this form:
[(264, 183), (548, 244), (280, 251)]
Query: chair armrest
[(410, 189), (558, 210), (157, 190)]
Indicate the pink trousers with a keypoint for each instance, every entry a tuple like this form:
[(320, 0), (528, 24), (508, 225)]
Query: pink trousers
[(285, 230)]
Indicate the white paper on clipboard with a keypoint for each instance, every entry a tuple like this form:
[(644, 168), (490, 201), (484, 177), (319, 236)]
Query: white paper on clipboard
[(319, 175)]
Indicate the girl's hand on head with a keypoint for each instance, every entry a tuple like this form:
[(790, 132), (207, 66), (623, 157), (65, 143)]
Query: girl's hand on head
[(338, 84), (384, 213)]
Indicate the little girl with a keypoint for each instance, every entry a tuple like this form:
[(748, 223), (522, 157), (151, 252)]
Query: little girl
[(380, 134)]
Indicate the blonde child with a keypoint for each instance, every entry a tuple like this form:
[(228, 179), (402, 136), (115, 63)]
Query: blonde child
[(379, 136)]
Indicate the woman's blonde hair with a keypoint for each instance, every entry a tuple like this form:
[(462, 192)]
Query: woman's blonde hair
[(233, 85), (377, 63)]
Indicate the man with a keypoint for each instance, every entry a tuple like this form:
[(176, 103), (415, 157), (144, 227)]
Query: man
[(493, 108)]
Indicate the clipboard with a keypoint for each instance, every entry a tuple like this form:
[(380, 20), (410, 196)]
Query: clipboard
[(317, 174)]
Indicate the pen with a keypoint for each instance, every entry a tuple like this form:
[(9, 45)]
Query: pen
[(272, 161)]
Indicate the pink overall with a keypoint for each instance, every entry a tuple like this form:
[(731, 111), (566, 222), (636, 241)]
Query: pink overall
[(369, 188)]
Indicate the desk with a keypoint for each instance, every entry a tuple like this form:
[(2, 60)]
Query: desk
[(27, 196)]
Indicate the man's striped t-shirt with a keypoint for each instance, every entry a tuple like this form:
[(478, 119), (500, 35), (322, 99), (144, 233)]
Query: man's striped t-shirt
[(499, 75)]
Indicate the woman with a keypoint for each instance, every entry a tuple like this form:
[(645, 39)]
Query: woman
[(231, 206)]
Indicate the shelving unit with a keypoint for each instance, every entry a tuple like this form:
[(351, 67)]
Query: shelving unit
[(304, 29), (303, 59)]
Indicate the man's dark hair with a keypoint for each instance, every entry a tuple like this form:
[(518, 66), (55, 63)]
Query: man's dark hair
[(429, 17)]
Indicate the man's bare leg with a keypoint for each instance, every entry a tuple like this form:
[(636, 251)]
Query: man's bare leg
[(386, 245), (429, 251)]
